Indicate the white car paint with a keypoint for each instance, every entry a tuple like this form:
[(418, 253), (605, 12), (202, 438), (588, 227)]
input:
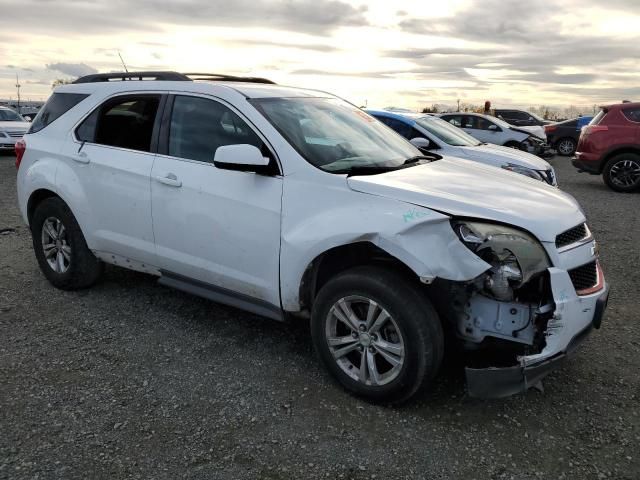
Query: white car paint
[(463, 146), (256, 235), (503, 134), (11, 131)]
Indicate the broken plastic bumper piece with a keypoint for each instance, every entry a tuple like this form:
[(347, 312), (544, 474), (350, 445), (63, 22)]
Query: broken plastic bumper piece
[(575, 317)]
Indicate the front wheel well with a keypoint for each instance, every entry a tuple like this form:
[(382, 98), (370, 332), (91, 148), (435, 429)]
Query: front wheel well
[(338, 259), (36, 198)]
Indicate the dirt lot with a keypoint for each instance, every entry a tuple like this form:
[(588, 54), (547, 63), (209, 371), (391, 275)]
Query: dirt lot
[(132, 380)]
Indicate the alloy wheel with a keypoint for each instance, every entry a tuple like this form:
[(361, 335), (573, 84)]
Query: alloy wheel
[(566, 147), (55, 245), (365, 340), (625, 173)]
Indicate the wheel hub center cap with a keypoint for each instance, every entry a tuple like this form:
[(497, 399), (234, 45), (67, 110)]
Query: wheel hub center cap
[(365, 339)]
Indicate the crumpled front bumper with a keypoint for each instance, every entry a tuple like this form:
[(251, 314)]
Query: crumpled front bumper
[(574, 318)]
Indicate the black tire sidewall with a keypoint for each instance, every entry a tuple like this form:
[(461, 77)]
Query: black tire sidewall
[(84, 268), (417, 320), (606, 172)]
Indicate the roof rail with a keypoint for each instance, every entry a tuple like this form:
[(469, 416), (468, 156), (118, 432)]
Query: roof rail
[(167, 76), (107, 77), (227, 78)]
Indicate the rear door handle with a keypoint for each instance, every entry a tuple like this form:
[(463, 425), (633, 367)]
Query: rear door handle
[(81, 157), (169, 179)]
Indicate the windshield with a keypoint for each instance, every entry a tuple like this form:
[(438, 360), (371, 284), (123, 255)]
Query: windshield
[(447, 132), (10, 116), (334, 135), (501, 123)]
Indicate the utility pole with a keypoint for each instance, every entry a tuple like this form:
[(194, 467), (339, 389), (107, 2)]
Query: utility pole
[(18, 87), (458, 105)]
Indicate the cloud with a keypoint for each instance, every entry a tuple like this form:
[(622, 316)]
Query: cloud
[(72, 69), (105, 16)]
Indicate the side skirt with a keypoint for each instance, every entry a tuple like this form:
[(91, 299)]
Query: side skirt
[(221, 295)]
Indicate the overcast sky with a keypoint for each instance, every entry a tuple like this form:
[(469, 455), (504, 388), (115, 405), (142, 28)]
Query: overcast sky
[(400, 53)]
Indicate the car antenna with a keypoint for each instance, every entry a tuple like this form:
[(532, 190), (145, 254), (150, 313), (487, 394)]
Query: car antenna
[(125, 67)]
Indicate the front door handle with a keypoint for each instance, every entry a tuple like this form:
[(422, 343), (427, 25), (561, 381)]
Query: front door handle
[(169, 179), (81, 157)]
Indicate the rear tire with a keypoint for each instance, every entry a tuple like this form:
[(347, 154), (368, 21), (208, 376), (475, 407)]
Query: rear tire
[(394, 342), (622, 173), (60, 247), (566, 146)]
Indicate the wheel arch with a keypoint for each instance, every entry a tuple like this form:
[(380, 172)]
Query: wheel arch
[(617, 151), (341, 258), (36, 198)]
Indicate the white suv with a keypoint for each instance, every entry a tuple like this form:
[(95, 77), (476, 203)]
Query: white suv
[(292, 204)]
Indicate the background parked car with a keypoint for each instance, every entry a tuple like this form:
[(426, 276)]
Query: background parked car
[(520, 118), (12, 128), (429, 132), (610, 145), (493, 130), (563, 136)]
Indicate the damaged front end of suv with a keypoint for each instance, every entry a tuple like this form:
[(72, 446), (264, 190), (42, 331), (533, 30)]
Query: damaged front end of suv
[(522, 316)]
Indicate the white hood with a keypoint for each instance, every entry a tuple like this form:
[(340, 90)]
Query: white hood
[(469, 189), (500, 155), (14, 126), (536, 130)]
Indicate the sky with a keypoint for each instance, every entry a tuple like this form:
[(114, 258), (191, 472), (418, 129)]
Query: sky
[(378, 53)]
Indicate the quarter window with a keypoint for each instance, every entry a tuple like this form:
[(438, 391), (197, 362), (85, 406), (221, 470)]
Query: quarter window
[(57, 105), (199, 126)]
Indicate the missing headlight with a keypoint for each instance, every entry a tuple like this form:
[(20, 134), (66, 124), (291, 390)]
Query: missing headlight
[(514, 255)]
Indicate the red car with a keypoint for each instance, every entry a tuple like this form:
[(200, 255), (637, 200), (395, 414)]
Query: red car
[(610, 145)]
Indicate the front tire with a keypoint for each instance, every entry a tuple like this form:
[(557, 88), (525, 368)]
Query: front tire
[(566, 146), (60, 247), (377, 334), (622, 173)]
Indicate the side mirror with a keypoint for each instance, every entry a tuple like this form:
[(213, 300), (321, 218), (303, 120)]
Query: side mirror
[(420, 142), (242, 157), (493, 128)]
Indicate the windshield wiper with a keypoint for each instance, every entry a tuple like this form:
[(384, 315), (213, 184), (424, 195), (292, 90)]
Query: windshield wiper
[(365, 170), (427, 156)]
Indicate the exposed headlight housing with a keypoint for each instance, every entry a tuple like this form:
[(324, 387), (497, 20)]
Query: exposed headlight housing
[(3, 134), (514, 255), (527, 172)]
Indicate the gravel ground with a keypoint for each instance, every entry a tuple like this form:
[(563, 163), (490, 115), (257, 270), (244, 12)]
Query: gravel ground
[(133, 380)]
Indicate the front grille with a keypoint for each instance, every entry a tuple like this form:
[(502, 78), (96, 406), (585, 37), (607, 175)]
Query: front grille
[(572, 235), (16, 134), (584, 277)]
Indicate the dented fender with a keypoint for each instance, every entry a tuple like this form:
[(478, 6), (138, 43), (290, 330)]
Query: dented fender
[(420, 238)]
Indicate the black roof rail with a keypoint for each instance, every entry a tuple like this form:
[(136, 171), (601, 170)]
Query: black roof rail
[(227, 78), (167, 76), (106, 77)]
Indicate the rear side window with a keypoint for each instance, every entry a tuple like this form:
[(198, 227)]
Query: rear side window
[(57, 105), (199, 126), (632, 114), (124, 122)]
